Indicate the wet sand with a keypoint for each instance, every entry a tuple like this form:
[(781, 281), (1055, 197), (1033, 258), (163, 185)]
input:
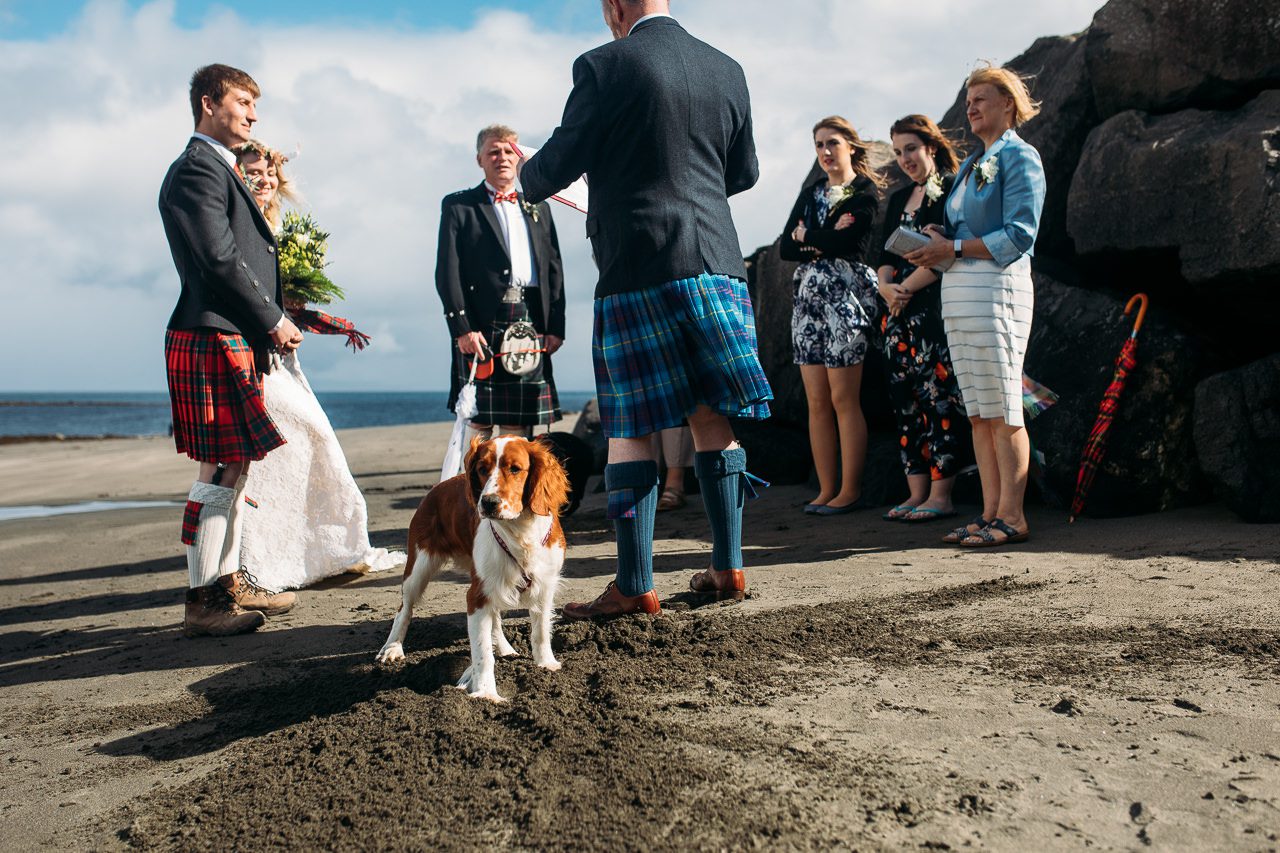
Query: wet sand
[(1112, 684)]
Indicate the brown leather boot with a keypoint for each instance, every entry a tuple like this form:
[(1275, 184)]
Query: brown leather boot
[(250, 595), (611, 603), (212, 612)]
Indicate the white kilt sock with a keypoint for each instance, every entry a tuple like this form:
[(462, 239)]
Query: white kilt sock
[(204, 558)]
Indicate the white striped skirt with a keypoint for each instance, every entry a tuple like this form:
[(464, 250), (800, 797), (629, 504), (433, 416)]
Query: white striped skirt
[(986, 310)]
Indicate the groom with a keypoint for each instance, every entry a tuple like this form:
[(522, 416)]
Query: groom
[(661, 125), (229, 314)]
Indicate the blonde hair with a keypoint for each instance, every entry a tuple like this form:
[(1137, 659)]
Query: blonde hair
[(499, 132), (252, 150), (860, 159), (1010, 84)]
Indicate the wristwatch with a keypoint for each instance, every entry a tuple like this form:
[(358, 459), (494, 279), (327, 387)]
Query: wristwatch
[(959, 248)]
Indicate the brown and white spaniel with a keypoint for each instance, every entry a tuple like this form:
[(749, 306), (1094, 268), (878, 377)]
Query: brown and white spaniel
[(500, 519)]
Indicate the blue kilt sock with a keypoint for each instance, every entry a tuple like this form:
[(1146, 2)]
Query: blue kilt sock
[(720, 479), (633, 502)]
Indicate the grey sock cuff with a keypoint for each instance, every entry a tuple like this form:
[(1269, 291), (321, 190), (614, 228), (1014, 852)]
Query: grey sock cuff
[(719, 463)]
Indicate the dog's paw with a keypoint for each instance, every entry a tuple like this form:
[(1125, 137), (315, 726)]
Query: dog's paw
[(550, 664), (505, 649), (390, 653), (490, 695)]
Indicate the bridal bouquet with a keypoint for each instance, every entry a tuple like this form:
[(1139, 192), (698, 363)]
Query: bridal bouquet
[(302, 249)]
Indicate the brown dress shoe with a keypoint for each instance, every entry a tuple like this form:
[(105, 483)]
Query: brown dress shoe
[(727, 583), (212, 612), (250, 595), (611, 603)]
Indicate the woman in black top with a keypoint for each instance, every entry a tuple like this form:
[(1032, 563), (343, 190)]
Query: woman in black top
[(931, 421), (834, 310)]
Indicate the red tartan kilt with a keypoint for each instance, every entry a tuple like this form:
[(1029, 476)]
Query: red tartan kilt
[(219, 414)]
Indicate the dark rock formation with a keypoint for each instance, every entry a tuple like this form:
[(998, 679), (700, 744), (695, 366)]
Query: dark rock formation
[(1150, 462), (1163, 55), (1201, 185), (1237, 431)]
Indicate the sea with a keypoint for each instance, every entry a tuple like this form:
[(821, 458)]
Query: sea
[(97, 415)]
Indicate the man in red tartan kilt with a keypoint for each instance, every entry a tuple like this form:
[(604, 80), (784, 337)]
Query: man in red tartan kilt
[(229, 315)]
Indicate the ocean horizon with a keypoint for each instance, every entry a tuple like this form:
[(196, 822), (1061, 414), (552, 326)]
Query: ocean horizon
[(141, 413)]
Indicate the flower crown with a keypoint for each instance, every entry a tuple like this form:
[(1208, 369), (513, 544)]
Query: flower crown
[(266, 152)]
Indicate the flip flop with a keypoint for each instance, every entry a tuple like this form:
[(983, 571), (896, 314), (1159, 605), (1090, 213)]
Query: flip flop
[(931, 515), (889, 516), (984, 539)]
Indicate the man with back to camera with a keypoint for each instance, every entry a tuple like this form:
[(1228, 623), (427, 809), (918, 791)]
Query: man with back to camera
[(660, 123)]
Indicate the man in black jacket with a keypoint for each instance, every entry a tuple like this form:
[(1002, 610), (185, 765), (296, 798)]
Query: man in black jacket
[(660, 123), (229, 314), (499, 274)]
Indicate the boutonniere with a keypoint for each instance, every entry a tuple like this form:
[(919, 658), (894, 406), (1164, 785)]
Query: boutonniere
[(836, 195), (933, 188), (530, 210), (249, 181), (986, 171)]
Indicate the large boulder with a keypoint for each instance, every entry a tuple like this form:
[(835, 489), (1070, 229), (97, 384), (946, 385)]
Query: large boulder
[(769, 281), (1060, 81), (1201, 186), (1150, 461), (1237, 430), (1163, 55)]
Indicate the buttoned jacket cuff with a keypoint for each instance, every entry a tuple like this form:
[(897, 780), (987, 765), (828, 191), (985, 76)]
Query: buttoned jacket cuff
[(458, 322)]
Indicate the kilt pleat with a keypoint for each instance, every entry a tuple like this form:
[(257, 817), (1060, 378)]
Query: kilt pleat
[(662, 351), (219, 414)]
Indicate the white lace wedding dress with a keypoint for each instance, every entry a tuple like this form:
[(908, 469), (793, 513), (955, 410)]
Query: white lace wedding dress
[(310, 520)]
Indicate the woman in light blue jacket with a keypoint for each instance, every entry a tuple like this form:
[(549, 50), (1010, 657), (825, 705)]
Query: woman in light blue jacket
[(992, 216)]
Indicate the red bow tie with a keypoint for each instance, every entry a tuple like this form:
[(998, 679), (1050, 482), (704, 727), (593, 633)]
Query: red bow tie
[(500, 197)]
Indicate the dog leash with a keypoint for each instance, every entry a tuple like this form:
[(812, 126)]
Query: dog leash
[(524, 575)]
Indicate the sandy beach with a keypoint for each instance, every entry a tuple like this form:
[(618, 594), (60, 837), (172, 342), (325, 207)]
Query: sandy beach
[(1112, 684)]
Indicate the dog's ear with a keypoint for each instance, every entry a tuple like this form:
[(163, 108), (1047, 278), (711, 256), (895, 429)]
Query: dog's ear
[(546, 490), (474, 481)]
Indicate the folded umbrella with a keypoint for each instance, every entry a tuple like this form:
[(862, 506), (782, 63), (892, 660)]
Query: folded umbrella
[(1095, 445), (465, 409)]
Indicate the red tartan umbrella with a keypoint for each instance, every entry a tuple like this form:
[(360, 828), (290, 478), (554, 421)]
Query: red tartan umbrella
[(1095, 446)]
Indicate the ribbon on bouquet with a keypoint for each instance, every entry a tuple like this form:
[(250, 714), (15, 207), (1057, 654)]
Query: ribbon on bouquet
[(320, 323)]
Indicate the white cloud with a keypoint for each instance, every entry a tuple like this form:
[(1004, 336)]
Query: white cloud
[(387, 122)]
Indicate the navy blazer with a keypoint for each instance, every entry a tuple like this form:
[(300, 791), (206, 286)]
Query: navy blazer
[(223, 249), (1005, 212), (473, 268), (660, 123)]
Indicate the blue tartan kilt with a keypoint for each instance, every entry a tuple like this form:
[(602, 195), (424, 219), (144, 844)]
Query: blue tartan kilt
[(662, 351)]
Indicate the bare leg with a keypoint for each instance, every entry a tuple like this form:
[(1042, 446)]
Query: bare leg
[(1013, 454), (846, 388), (984, 452), (822, 430), (940, 494), (711, 431)]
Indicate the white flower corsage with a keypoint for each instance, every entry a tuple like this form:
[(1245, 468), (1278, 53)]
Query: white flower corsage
[(933, 187), (836, 195), (531, 210), (986, 171)]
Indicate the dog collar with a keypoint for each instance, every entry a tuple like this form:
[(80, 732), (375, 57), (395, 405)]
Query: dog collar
[(525, 580)]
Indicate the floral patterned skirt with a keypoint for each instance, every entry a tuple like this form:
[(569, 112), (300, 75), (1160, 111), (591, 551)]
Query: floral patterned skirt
[(833, 312)]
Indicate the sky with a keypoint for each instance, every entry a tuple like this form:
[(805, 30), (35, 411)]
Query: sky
[(383, 100)]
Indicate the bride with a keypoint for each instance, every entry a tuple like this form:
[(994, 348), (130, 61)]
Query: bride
[(307, 519)]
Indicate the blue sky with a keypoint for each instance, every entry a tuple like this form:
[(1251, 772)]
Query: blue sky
[(38, 19), (385, 100)]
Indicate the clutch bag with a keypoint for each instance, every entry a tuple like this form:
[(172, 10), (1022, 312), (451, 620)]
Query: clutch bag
[(904, 240)]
